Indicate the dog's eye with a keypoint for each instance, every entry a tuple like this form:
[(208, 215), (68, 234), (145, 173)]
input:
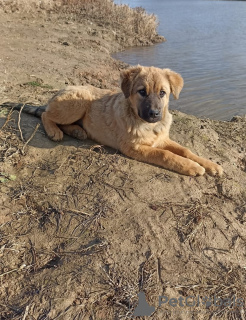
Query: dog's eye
[(142, 92), (162, 93)]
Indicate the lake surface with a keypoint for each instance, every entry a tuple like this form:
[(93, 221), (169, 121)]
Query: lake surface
[(206, 44)]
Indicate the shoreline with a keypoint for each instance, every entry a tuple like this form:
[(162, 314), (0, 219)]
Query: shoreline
[(82, 53)]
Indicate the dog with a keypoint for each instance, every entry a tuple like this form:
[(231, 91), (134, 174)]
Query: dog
[(134, 120)]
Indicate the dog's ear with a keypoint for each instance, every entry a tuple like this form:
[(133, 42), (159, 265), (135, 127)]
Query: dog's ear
[(127, 77), (176, 82)]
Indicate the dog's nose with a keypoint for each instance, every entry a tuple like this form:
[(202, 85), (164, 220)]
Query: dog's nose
[(154, 113)]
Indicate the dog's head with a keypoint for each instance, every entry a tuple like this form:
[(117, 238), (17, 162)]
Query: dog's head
[(148, 90)]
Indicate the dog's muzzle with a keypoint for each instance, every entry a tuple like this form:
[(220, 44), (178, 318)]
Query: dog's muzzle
[(151, 109), (154, 115)]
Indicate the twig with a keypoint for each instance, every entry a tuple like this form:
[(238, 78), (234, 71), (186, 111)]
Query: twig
[(19, 119), (8, 118), (63, 163), (26, 313), (242, 313), (13, 270), (158, 271), (34, 257), (81, 212), (10, 271), (33, 134)]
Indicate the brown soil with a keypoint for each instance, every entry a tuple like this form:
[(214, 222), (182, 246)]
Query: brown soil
[(83, 229)]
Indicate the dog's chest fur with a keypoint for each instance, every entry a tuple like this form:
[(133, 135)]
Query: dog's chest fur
[(150, 134), (111, 121)]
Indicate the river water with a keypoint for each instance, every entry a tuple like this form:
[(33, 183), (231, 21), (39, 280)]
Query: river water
[(206, 44)]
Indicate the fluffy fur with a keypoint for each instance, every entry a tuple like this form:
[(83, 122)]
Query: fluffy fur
[(135, 121)]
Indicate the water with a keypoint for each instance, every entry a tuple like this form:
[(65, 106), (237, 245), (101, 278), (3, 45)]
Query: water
[(206, 44)]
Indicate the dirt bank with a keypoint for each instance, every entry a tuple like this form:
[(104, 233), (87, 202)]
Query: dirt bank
[(84, 229)]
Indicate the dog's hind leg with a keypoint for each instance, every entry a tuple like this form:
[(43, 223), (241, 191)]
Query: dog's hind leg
[(74, 131), (51, 128), (66, 108)]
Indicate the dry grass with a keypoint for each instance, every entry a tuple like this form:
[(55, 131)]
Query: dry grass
[(218, 284), (124, 21)]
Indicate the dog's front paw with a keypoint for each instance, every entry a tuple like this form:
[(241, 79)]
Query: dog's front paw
[(192, 168), (213, 169), (195, 170)]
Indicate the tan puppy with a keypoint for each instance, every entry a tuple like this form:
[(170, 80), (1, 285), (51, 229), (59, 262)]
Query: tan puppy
[(136, 122)]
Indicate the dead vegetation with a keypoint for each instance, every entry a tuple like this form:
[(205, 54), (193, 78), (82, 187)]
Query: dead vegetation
[(130, 26), (72, 229), (62, 242)]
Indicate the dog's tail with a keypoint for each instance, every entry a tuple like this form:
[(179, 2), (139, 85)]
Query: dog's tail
[(27, 108)]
